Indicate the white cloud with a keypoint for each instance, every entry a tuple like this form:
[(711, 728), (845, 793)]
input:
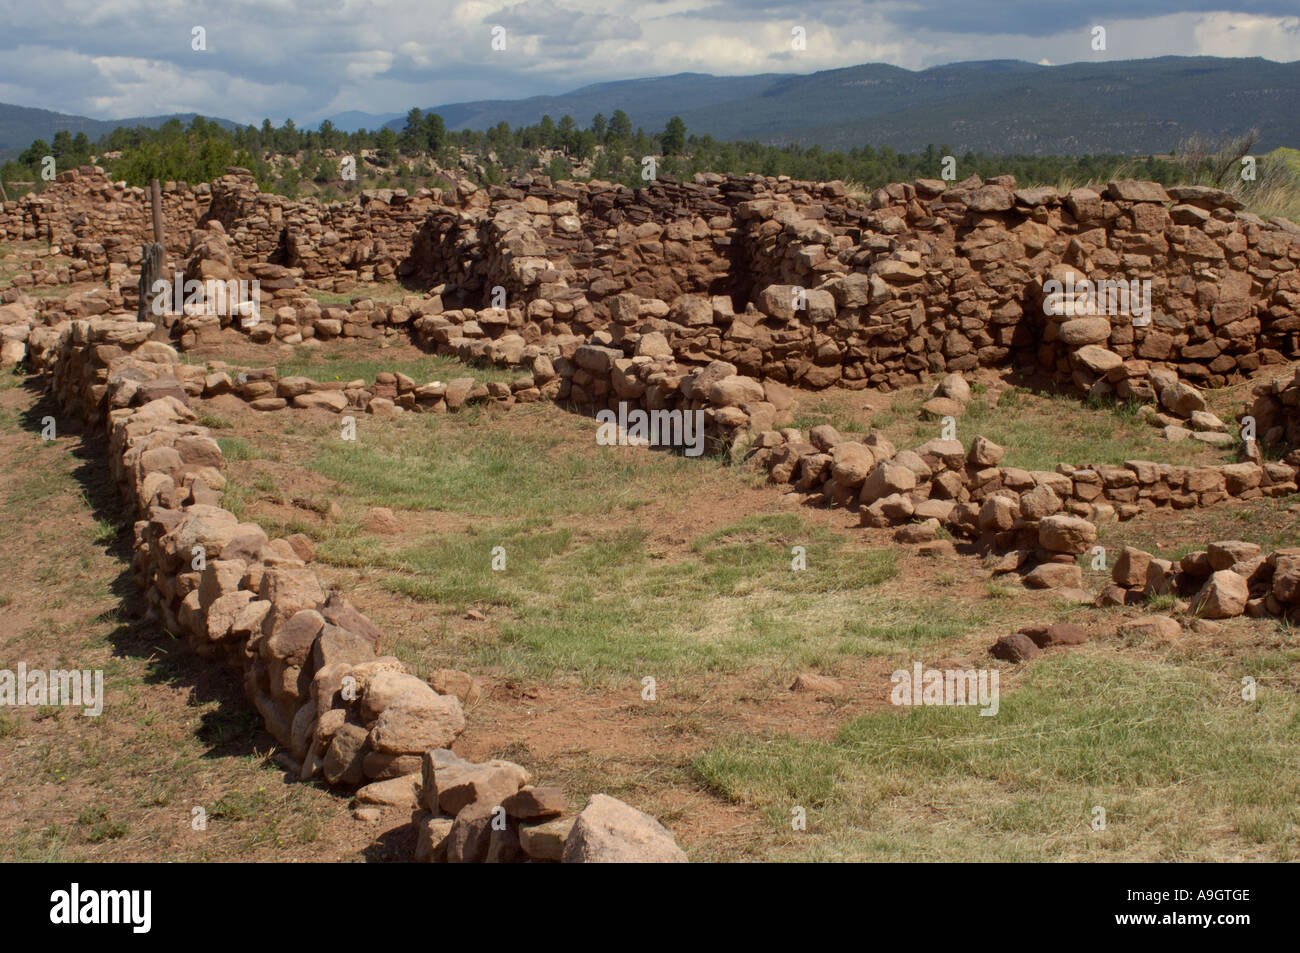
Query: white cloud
[(1232, 34), (311, 57)]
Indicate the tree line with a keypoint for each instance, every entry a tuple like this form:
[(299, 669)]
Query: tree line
[(606, 148)]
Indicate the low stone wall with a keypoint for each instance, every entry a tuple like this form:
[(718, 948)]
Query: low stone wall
[(1275, 410), (1229, 578), (1040, 520), (310, 661), (802, 285)]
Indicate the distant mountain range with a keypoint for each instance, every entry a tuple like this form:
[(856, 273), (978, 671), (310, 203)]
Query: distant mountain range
[(20, 126), (995, 106), (354, 120)]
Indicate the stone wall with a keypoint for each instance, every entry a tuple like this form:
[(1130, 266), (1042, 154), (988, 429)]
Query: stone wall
[(1275, 408), (790, 281), (1228, 578), (921, 280), (310, 662), (103, 222), (1039, 520)]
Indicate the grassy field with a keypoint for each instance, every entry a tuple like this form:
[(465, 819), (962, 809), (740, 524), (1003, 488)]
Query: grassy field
[(1038, 430), (341, 364), (623, 564), (392, 291), (640, 639), (1182, 766), (175, 733)]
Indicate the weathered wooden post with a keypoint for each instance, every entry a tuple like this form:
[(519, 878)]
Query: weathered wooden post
[(153, 265), (156, 204), (3, 196)]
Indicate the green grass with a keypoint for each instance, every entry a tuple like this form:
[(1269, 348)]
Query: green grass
[(97, 826), (1039, 431), (336, 366), (436, 462), (1183, 767), (1267, 522), (586, 590), (234, 448), (824, 412), (605, 606)]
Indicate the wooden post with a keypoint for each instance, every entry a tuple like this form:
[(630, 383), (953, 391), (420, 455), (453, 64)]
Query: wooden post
[(157, 211), (3, 197), (153, 266)]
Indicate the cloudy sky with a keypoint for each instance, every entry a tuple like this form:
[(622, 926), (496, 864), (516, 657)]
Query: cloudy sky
[(313, 58)]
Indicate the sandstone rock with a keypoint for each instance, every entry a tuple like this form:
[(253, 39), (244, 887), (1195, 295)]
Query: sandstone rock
[(940, 407), (1098, 359), (1223, 596), (817, 684), (545, 841), (380, 519), (470, 835), (1131, 568), (1224, 554), (851, 463), (1014, 648), (413, 723), (489, 783), (1057, 633), (450, 681), (953, 387), (1156, 627), (535, 803), (431, 838), (1181, 398), (343, 758), (1078, 332), (394, 792), (380, 688), (1130, 190), (985, 453), (735, 391), (1062, 533), (1055, 576), (914, 533), (1039, 503), (332, 400), (609, 831), (1111, 596), (886, 478)]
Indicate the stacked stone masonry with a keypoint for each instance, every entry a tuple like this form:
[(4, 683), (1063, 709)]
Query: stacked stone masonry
[(790, 281), (311, 662)]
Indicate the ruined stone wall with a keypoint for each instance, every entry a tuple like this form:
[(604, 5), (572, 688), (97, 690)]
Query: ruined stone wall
[(797, 283), (334, 244), (790, 281), (100, 221), (103, 222), (1275, 409), (310, 661)]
